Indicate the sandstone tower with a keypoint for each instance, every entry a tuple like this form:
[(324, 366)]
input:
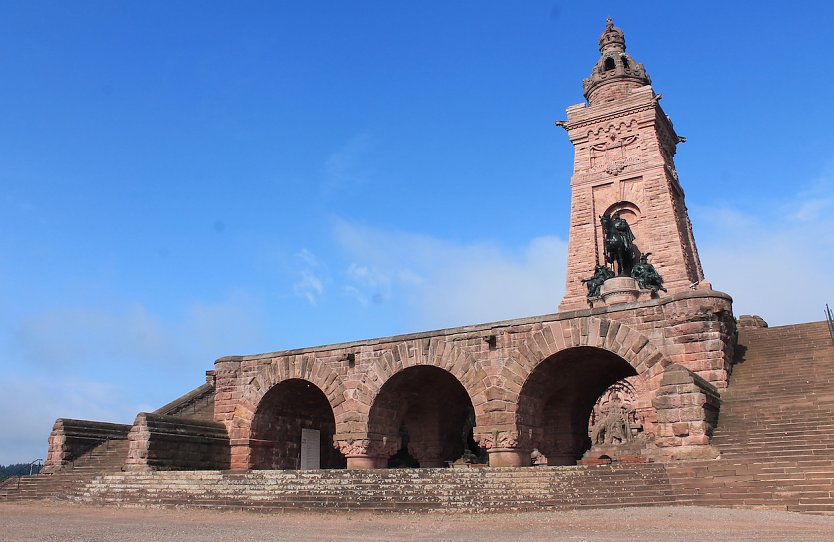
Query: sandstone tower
[(624, 148)]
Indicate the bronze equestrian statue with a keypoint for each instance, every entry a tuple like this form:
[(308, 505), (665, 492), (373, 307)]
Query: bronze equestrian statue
[(618, 243)]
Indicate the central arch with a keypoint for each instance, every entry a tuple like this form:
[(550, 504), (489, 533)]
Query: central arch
[(283, 414), (429, 416), (557, 398)]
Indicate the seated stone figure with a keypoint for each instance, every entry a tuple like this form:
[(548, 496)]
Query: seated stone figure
[(646, 275), (601, 274), (612, 428)]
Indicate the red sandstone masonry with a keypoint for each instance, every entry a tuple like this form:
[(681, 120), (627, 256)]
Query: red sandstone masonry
[(648, 335), (71, 439), (624, 149), (523, 378)]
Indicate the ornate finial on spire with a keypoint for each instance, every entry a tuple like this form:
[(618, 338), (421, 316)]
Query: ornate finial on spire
[(612, 39), (615, 70)]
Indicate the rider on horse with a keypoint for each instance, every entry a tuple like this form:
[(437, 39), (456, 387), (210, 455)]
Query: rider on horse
[(619, 243)]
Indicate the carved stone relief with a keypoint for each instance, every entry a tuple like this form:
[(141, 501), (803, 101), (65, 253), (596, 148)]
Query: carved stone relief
[(615, 418), (613, 148)]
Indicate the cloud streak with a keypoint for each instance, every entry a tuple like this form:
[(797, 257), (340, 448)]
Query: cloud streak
[(132, 334), (448, 284), (774, 263), (347, 166), (109, 363), (309, 285)]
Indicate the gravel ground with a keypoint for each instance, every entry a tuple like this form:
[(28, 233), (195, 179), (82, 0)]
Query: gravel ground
[(42, 521)]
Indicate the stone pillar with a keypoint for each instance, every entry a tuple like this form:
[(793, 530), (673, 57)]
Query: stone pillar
[(687, 410), (428, 454), (240, 454), (138, 445), (504, 449), (366, 451), (619, 290)]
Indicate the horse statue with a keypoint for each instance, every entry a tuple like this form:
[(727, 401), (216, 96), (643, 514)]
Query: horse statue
[(618, 243)]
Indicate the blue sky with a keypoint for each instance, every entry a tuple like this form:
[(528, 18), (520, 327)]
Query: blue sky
[(187, 180)]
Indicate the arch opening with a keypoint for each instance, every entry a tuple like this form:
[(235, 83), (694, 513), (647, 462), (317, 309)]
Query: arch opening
[(609, 64), (293, 411), (632, 214), (557, 400), (429, 416)]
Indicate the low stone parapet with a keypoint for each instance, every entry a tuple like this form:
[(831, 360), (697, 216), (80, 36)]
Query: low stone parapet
[(159, 442), (70, 439)]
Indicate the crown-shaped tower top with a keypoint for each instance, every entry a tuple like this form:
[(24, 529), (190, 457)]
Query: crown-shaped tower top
[(616, 73)]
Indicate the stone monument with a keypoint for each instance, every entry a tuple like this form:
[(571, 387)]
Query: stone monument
[(624, 167), (507, 393)]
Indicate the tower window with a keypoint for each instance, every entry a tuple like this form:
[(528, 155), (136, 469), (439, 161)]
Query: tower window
[(625, 62), (609, 64)]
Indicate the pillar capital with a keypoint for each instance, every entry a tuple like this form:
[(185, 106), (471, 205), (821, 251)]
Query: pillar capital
[(364, 451)]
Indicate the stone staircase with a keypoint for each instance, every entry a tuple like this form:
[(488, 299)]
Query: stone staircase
[(776, 428), (109, 456), (400, 490)]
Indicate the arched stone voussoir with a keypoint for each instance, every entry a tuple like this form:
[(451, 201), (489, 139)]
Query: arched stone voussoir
[(457, 362), (279, 370), (593, 331)]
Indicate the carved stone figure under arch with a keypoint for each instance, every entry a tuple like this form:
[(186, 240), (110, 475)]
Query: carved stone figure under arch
[(557, 400), (600, 350)]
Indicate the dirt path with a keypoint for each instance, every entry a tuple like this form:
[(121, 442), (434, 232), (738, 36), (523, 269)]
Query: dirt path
[(63, 522)]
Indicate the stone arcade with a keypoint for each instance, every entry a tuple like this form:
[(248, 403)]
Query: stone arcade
[(632, 376)]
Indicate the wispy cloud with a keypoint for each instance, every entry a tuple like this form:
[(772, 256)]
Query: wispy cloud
[(126, 335), (444, 283), (25, 430), (105, 363), (348, 166), (71, 335), (775, 262), (309, 285)]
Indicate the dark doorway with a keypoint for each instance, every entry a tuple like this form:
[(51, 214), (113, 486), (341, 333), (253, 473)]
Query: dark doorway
[(429, 411), (284, 411), (556, 401)]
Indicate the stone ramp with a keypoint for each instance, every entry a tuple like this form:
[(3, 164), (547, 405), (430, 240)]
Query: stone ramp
[(400, 490), (776, 427), (196, 404)]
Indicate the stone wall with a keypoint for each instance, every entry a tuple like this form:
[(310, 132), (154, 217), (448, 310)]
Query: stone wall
[(70, 439), (693, 329), (176, 443), (687, 409)]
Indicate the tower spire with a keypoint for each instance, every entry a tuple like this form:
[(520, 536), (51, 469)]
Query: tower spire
[(623, 165), (616, 73)]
